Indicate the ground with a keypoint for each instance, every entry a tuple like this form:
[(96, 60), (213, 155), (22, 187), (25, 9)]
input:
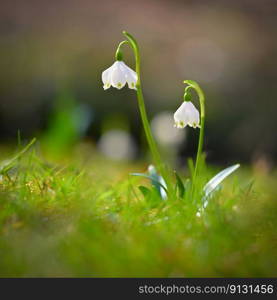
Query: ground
[(80, 215)]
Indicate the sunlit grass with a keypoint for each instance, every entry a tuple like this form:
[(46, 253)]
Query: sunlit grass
[(81, 215)]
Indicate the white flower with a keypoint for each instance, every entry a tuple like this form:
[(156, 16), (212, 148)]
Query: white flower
[(117, 75), (186, 114)]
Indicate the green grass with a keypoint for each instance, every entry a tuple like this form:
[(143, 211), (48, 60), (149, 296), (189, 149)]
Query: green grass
[(84, 216)]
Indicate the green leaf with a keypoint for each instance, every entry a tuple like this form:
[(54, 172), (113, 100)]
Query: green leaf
[(145, 191), (191, 166), (180, 185), (6, 165), (213, 184), (153, 172), (151, 178)]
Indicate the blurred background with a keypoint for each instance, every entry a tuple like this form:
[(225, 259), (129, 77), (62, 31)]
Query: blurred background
[(52, 55)]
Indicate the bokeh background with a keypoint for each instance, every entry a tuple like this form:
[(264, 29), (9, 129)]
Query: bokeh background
[(52, 55)]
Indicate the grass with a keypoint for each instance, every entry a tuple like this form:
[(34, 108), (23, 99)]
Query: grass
[(84, 216)]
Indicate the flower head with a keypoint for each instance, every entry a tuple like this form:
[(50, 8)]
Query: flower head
[(186, 114), (117, 75)]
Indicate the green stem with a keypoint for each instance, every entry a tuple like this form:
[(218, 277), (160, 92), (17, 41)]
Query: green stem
[(201, 97), (151, 142), (118, 53)]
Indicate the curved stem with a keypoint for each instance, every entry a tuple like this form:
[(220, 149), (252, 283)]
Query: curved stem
[(201, 97), (118, 53), (151, 142)]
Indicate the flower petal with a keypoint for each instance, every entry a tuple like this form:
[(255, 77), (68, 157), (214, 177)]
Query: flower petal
[(106, 78), (181, 115), (132, 79), (185, 115), (193, 116), (118, 78)]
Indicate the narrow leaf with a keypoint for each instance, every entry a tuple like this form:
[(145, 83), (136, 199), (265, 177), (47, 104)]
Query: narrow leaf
[(151, 178), (191, 166), (213, 184), (144, 190), (153, 172), (180, 185), (6, 165)]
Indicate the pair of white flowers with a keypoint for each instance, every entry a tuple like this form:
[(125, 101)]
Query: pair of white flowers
[(119, 74)]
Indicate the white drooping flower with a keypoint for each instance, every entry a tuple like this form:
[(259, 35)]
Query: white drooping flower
[(186, 114), (117, 75)]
